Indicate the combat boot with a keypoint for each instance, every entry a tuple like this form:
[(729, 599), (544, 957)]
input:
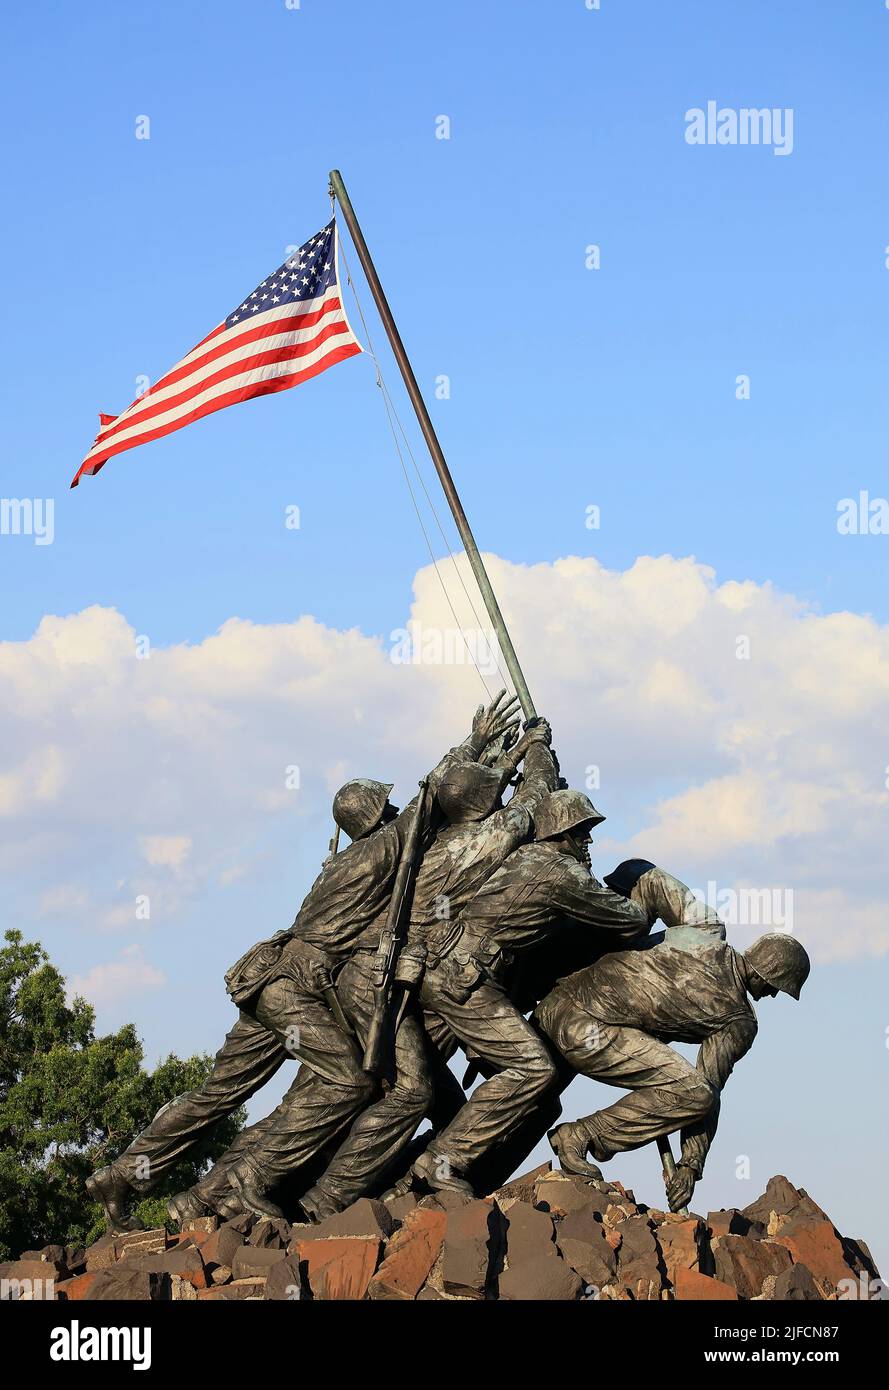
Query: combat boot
[(570, 1143), (114, 1192)]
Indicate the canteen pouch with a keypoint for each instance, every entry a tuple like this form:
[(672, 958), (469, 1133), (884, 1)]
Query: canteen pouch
[(469, 962), (457, 974), (411, 965), (255, 968)]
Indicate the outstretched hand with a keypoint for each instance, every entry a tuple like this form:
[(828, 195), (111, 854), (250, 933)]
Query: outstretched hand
[(501, 717)]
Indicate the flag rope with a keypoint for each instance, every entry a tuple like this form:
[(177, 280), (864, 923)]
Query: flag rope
[(391, 412)]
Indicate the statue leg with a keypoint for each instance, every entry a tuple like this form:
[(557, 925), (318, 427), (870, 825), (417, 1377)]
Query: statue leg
[(248, 1058), (379, 1135), (665, 1091), (330, 1088), (449, 1097), (523, 1072)]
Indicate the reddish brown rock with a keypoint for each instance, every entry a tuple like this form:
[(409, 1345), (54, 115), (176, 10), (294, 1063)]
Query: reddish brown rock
[(619, 1211), (445, 1201), (271, 1234), (339, 1269), (284, 1282), (132, 1243), (585, 1244), (191, 1240), (367, 1218), (782, 1198), (410, 1256), (219, 1248), (399, 1207), (252, 1263), (859, 1257), (560, 1193), (101, 1255), (540, 1278), (682, 1242), (816, 1245), (521, 1189), (182, 1260), (126, 1281), (729, 1221), (31, 1278), (690, 1285), (639, 1263), (48, 1254), (745, 1263), (77, 1288), (638, 1240), (243, 1223), (795, 1284), (205, 1224), (529, 1234), (472, 1245), (241, 1289)]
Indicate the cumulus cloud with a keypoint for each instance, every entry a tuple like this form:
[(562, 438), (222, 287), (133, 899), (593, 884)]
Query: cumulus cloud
[(729, 731), (169, 850), (117, 979)]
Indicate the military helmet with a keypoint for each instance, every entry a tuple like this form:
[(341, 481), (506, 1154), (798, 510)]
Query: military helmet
[(469, 791), (359, 804), (562, 811), (781, 961)]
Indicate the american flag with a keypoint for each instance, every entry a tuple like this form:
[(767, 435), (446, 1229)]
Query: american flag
[(290, 328)]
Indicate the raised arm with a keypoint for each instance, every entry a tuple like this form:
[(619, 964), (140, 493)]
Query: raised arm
[(583, 899), (716, 1059), (499, 719), (662, 895)]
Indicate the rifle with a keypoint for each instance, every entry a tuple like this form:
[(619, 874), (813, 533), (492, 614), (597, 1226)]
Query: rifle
[(385, 973), (333, 847)]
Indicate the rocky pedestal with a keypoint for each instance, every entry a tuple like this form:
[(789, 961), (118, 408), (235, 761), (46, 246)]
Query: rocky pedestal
[(544, 1236)]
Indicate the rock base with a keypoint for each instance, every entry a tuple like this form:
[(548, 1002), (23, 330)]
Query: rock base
[(544, 1236)]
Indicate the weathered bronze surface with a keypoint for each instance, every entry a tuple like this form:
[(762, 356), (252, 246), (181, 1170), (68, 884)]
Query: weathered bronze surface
[(463, 923)]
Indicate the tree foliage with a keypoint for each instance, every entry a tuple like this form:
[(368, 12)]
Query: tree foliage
[(71, 1101)]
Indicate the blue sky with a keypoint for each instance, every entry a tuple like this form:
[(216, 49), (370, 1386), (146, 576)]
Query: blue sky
[(568, 387)]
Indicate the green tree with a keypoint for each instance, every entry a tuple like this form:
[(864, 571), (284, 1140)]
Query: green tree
[(71, 1101)]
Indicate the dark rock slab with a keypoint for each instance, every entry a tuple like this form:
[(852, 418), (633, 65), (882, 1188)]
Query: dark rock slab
[(541, 1277)]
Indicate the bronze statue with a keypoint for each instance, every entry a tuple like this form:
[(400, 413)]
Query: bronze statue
[(472, 844), (541, 887), (485, 897), (282, 988), (613, 1022)]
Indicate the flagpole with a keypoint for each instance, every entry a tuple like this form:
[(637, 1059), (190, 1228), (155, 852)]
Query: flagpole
[(338, 188)]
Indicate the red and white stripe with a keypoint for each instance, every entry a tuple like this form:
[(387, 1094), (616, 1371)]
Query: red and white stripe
[(269, 351)]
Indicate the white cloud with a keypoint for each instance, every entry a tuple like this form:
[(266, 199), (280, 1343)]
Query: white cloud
[(169, 850), (168, 771), (115, 980)]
